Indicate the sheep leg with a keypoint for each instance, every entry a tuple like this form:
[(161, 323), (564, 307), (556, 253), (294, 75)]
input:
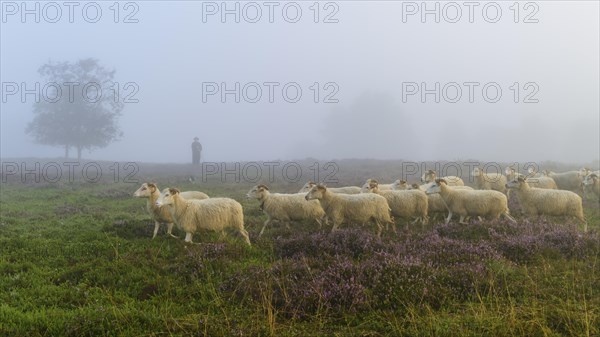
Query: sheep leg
[(244, 233), (585, 224), (379, 228), (264, 226), (169, 229), (156, 226), (319, 222), (462, 220), (188, 237), (335, 227), (509, 217), (449, 217)]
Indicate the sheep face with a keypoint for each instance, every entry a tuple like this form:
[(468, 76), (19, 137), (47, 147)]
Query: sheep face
[(316, 192), (166, 197), (515, 184), (145, 191), (590, 180), (400, 185), (584, 172), (372, 187), (257, 192), (307, 187), (477, 172), (366, 187), (435, 187), (428, 176)]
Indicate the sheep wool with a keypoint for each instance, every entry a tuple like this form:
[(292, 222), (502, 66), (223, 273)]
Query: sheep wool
[(471, 202), (285, 207), (407, 203), (538, 201), (162, 214), (216, 214), (352, 208)]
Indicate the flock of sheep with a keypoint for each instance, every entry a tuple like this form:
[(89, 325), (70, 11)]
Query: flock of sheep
[(538, 194)]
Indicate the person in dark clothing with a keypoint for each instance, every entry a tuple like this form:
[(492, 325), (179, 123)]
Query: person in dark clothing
[(196, 150)]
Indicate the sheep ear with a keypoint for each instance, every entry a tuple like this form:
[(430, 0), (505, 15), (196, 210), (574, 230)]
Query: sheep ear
[(263, 187), (173, 190), (520, 179), (151, 186), (415, 186), (402, 181)]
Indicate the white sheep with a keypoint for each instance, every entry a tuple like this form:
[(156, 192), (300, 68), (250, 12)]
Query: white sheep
[(489, 181), (435, 203), (430, 177), (216, 214), (407, 203), (162, 214), (343, 190), (285, 207), (533, 181), (570, 180), (539, 201), (352, 208), (467, 203), (591, 184)]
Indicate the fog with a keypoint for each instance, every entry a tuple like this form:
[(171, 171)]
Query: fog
[(370, 60)]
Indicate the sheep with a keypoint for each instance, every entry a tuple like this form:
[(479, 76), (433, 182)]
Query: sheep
[(537, 182), (471, 202), (489, 181), (352, 208), (382, 187), (539, 201), (344, 190), (161, 214), (591, 184), (285, 207), (430, 176), (435, 203), (217, 214), (570, 180), (587, 187), (408, 203)]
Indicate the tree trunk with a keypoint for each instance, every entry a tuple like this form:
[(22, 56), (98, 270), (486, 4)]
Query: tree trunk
[(66, 151), (79, 148)]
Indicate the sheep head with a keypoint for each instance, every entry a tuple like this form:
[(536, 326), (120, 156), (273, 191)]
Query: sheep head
[(145, 191), (257, 192), (316, 192)]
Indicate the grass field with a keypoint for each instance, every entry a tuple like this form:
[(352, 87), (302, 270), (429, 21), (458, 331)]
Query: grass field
[(77, 259)]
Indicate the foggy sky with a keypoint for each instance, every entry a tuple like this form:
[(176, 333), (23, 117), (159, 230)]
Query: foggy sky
[(368, 54)]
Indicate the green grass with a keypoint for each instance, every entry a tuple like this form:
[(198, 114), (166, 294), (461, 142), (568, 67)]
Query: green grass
[(78, 260)]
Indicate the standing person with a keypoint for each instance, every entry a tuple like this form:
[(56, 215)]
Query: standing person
[(196, 150)]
